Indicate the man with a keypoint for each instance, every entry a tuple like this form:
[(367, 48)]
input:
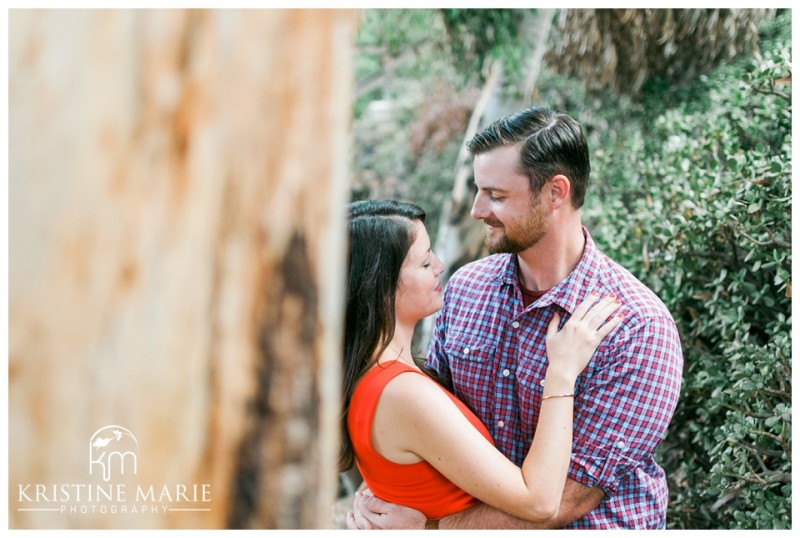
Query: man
[(532, 170)]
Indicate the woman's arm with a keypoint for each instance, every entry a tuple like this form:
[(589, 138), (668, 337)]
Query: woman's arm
[(416, 420)]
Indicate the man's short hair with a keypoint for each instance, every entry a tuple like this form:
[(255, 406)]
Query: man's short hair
[(550, 143)]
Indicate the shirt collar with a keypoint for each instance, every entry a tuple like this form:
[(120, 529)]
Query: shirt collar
[(568, 293)]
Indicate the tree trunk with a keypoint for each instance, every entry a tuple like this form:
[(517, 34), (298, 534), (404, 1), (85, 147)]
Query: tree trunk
[(177, 183)]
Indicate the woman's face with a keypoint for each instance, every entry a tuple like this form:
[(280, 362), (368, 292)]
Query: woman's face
[(419, 291)]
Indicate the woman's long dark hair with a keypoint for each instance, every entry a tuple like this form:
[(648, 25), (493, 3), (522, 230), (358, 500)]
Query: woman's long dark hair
[(381, 233)]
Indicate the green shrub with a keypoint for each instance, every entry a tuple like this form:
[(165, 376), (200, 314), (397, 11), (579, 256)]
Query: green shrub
[(699, 207)]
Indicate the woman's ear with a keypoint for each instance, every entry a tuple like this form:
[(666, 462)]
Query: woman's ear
[(559, 191)]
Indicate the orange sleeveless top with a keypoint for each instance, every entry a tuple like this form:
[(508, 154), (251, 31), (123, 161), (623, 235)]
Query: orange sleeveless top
[(417, 485)]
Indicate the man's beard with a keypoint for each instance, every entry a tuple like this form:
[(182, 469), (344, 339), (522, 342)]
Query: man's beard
[(521, 236)]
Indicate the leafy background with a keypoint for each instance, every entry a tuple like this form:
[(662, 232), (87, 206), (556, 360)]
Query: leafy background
[(688, 118)]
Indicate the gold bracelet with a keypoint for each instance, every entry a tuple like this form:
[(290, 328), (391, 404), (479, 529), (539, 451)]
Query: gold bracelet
[(558, 396)]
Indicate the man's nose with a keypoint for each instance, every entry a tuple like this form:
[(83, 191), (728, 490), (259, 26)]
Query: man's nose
[(478, 210)]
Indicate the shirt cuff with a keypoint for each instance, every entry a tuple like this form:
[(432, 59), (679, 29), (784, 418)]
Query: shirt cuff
[(602, 467)]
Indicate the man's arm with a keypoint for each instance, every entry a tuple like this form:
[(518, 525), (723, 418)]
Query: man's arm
[(577, 501), (370, 512)]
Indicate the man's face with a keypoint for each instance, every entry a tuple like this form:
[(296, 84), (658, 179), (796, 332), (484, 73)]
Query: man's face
[(515, 219)]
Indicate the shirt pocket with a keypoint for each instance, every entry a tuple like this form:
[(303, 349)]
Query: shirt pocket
[(471, 362)]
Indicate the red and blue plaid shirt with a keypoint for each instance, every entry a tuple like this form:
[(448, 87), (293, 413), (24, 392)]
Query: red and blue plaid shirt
[(492, 351)]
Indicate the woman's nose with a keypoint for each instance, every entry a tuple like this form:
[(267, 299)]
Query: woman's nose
[(439, 266)]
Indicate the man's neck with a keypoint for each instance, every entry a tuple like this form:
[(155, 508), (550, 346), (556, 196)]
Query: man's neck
[(552, 259)]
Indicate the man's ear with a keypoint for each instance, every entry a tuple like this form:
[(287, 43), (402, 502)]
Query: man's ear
[(559, 194)]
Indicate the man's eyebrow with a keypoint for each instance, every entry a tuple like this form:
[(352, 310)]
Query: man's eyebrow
[(490, 188)]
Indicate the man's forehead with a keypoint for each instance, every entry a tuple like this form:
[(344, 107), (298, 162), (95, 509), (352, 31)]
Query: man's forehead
[(502, 182)]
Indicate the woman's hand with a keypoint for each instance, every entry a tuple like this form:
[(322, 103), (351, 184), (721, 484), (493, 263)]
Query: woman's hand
[(570, 349)]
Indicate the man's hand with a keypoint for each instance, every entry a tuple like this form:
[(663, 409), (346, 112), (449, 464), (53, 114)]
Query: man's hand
[(370, 512)]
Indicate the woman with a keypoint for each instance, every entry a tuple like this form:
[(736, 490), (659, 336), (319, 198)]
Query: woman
[(414, 442)]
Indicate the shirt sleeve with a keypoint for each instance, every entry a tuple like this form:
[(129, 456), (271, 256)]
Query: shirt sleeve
[(625, 404)]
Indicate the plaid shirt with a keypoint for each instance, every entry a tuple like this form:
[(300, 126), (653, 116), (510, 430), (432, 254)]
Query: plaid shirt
[(492, 350)]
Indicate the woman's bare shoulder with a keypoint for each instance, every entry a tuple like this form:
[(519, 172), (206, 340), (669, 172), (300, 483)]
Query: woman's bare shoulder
[(412, 392)]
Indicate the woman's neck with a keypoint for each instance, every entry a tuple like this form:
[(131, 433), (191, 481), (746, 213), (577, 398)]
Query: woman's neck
[(395, 353), (399, 347)]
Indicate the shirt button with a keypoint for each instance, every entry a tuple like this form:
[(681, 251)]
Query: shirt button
[(541, 382), (506, 372), (500, 424), (620, 445), (466, 351), (515, 324)]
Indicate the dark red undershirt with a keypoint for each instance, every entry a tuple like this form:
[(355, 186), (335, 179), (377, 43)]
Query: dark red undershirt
[(529, 296)]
